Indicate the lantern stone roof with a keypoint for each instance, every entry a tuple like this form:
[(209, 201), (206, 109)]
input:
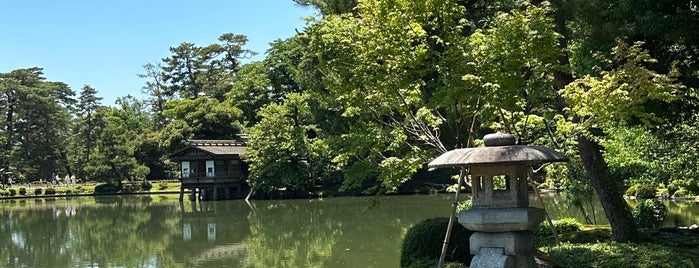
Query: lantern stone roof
[(499, 149)]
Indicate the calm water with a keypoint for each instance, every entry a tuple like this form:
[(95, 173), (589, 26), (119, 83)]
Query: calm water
[(157, 231)]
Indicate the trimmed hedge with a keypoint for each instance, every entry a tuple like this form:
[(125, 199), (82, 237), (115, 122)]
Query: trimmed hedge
[(422, 244)]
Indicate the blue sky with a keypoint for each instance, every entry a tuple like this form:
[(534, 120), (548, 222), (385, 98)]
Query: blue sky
[(105, 43)]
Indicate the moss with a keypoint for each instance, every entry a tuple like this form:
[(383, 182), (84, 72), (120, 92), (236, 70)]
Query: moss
[(617, 255)]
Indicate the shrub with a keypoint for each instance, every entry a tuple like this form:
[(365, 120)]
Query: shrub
[(680, 193), (645, 191), (23, 190), (616, 255), (106, 188), (50, 191), (422, 244), (12, 191), (649, 213), (162, 185), (565, 225), (38, 191), (146, 186), (4, 192), (78, 189)]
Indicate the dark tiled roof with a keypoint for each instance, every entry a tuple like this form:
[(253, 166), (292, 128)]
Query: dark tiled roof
[(213, 147), (222, 149)]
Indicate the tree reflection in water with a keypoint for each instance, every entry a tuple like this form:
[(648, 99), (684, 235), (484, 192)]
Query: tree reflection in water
[(159, 231)]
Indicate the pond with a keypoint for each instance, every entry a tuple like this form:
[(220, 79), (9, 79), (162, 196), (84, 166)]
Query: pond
[(159, 231)]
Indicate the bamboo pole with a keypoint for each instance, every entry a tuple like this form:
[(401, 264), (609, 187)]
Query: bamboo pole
[(452, 218), (543, 205)]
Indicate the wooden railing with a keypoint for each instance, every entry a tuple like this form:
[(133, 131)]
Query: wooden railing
[(212, 175)]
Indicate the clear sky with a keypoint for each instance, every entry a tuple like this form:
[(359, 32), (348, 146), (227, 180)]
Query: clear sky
[(105, 43)]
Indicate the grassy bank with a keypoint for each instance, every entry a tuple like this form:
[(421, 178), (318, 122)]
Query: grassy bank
[(48, 190)]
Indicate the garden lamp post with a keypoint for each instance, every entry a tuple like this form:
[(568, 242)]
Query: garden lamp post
[(500, 217)]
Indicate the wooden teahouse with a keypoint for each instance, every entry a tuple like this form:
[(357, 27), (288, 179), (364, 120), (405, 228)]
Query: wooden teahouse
[(212, 168)]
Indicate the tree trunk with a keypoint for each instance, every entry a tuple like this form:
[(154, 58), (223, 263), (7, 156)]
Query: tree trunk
[(616, 209)]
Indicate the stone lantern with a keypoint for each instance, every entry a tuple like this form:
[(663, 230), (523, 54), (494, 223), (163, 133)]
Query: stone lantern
[(500, 217)]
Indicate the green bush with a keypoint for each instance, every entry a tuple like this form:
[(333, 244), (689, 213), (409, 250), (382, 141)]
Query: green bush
[(50, 191), (617, 255), (565, 225), (78, 189), (146, 186), (23, 190), (680, 193), (4, 192), (423, 242), (12, 191), (106, 188), (645, 190), (649, 213), (162, 185), (38, 191)]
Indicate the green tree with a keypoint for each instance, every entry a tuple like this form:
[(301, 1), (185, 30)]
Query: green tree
[(330, 7), (113, 158), (156, 88), (615, 96), (194, 71), (87, 127), (287, 150), (199, 118), (37, 123)]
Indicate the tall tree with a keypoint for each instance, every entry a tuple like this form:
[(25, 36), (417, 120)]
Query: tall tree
[(330, 7), (286, 148), (156, 88), (37, 124), (87, 107), (194, 71), (113, 158)]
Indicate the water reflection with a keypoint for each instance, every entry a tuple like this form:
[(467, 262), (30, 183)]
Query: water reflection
[(159, 231)]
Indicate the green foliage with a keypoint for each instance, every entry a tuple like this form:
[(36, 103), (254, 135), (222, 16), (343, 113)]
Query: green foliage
[(565, 225), (12, 191), (464, 205), (645, 191), (649, 213), (162, 185), (192, 71), (146, 186), (113, 157), (4, 192), (423, 242), (107, 188), (78, 189), (22, 190), (38, 191), (36, 122), (618, 96), (286, 150), (330, 7), (50, 191), (631, 191), (616, 255)]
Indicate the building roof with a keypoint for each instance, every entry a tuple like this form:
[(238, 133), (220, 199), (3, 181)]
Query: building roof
[(212, 148)]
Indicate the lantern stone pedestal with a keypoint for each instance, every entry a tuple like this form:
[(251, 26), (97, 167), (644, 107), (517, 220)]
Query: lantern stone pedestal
[(501, 217), (502, 237)]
